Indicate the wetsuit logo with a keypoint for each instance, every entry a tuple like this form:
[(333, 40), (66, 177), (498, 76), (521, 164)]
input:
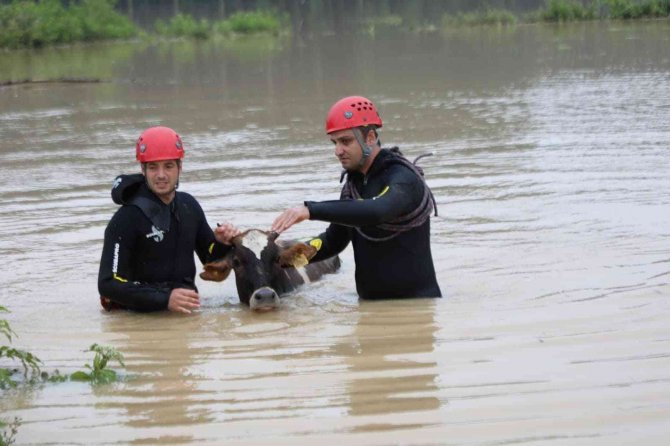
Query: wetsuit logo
[(156, 234), (115, 263), (117, 181)]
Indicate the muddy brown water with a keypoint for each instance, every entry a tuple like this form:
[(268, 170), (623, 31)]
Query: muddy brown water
[(552, 247)]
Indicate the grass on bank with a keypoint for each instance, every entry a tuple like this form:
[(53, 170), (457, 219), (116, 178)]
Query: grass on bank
[(8, 430), (565, 11), (184, 25), (26, 23), (37, 23), (628, 9), (499, 17), (240, 23), (572, 10)]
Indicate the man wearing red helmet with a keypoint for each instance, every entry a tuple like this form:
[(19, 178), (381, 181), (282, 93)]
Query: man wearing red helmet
[(147, 257), (384, 209)]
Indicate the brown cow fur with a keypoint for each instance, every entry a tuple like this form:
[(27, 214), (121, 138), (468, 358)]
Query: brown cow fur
[(216, 271), (297, 255)]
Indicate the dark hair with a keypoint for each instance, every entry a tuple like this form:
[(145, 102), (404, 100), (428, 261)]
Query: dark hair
[(365, 129)]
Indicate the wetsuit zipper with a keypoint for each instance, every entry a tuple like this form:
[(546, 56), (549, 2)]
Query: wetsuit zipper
[(176, 223)]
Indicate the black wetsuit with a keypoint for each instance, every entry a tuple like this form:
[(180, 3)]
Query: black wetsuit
[(148, 248), (396, 268)]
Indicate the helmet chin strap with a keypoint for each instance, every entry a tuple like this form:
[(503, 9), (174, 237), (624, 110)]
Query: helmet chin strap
[(176, 186), (366, 150)]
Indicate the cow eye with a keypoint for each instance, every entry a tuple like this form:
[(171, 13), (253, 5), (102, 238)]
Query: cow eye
[(236, 262)]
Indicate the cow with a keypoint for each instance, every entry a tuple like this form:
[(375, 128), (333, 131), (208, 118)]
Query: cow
[(266, 268)]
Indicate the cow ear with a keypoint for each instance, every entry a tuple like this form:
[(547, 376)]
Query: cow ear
[(216, 271), (296, 255)]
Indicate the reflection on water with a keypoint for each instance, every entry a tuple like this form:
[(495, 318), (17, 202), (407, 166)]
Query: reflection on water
[(551, 246), (160, 387), (387, 377)]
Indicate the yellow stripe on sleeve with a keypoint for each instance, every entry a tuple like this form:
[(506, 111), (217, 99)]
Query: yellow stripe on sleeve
[(386, 189), (317, 243)]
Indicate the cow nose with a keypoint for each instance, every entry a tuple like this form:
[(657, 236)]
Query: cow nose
[(264, 299)]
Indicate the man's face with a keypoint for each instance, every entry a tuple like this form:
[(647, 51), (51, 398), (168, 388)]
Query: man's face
[(347, 149), (162, 178)]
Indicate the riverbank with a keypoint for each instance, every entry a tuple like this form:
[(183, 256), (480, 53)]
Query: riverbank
[(33, 24), (48, 22), (565, 11)]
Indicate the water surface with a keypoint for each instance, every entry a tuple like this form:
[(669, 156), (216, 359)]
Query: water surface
[(551, 174)]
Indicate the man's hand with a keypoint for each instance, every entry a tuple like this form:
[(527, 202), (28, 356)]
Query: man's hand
[(289, 218), (183, 300), (225, 232)]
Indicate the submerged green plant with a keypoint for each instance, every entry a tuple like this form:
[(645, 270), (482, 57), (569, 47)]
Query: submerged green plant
[(5, 329), (29, 362), (8, 430), (99, 373)]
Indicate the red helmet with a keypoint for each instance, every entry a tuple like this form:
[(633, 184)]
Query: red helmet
[(157, 144), (350, 112)]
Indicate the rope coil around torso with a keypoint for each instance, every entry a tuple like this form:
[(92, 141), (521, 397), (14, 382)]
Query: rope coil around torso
[(405, 222)]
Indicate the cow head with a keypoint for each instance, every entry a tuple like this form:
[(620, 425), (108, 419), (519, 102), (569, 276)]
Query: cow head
[(257, 259)]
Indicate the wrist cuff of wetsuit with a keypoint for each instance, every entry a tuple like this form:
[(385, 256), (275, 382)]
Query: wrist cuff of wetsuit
[(219, 250), (310, 207)]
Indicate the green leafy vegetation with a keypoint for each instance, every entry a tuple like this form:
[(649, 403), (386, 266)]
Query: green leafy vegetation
[(498, 17), (250, 22), (98, 372), (183, 25), (572, 10), (29, 362), (240, 23), (565, 11), (8, 430), (629, 9), (26, 23), (36, 23)]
